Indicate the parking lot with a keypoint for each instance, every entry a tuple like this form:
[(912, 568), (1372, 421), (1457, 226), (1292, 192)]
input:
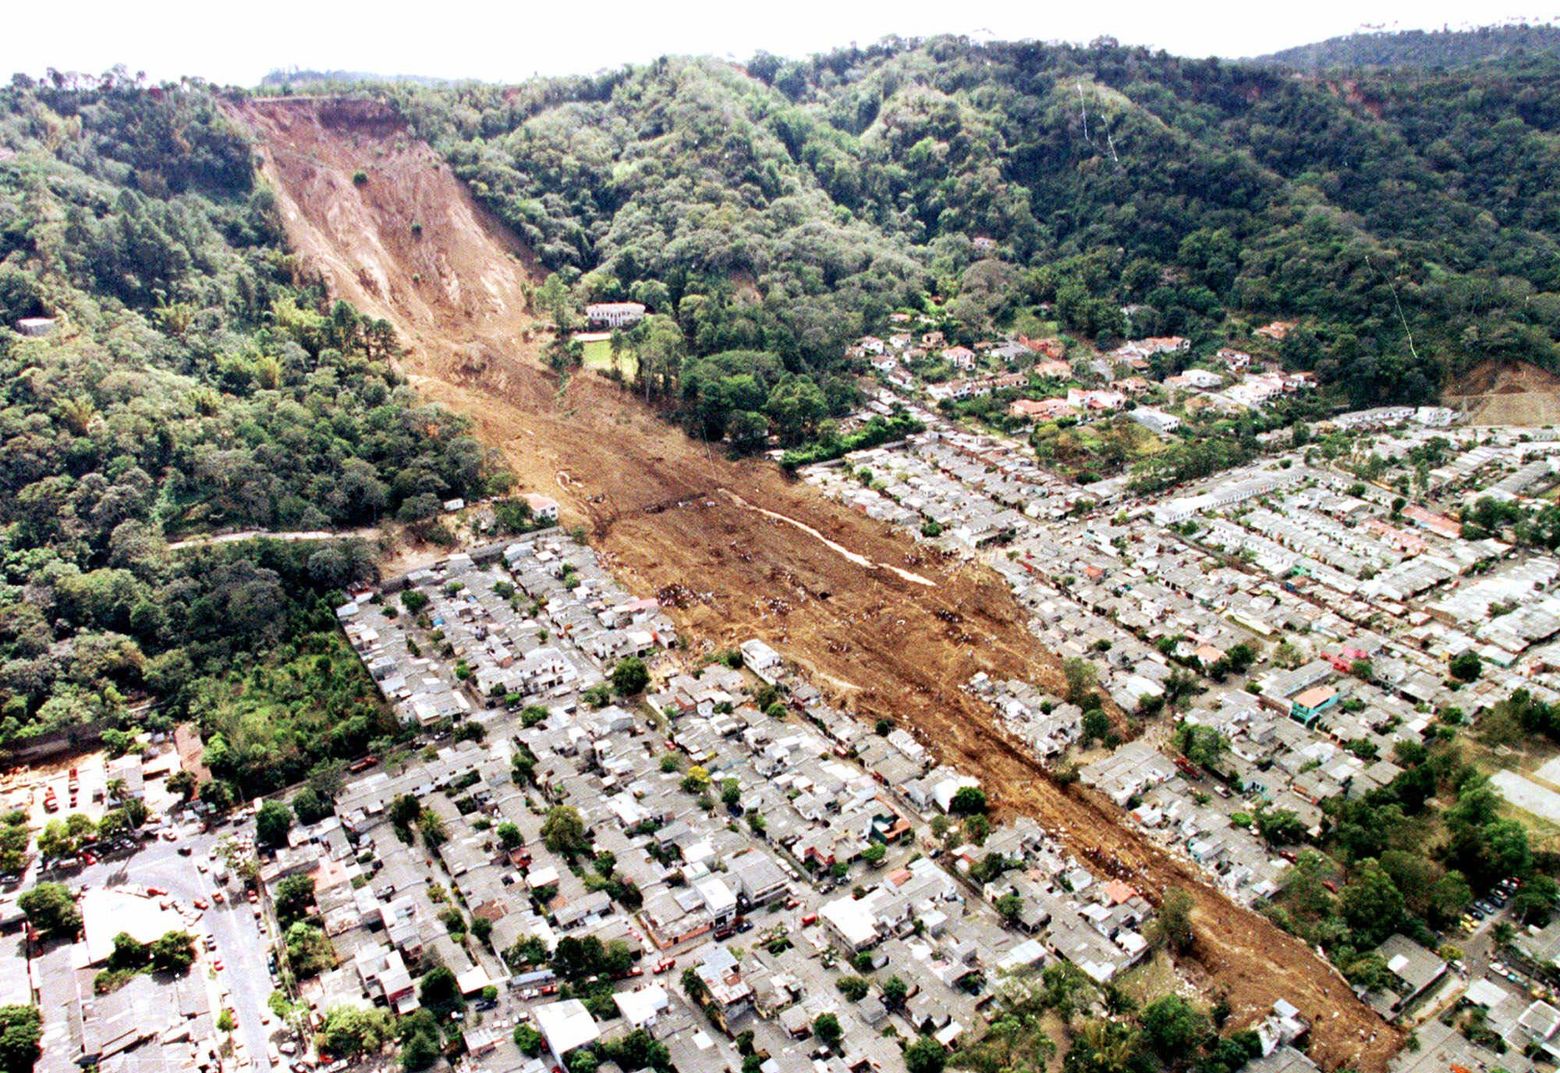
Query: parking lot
[(241, 947)]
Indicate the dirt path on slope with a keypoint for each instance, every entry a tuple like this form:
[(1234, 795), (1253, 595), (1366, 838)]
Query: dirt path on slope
[(674, 518)]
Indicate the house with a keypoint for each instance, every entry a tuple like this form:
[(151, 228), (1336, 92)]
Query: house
[(851, 922), (384, 976), (614, 314), (1095, 400), (1201, 379), (642, 1008), (761, 659), (1415, 969), (1013, 353), (1278, 330), (960, 357), (1053, 369), (35, 326), (1155, 420), (543, 509), (758, 879), (566, 1026), (729, 998), (1308, 706)]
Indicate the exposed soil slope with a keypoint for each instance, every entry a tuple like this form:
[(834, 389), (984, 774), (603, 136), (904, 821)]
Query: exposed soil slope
[(680, 520), (1508, 393)]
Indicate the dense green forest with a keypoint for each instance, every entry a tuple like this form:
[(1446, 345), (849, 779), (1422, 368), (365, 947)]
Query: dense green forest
[(190, 385), (1420, 48), (1407, 219)]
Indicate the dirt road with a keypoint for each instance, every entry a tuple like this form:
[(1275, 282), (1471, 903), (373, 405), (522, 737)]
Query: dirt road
[(890, 633)]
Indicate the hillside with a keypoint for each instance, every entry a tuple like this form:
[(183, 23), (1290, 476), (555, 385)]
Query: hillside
[(735, 549), (1408, 221), (189, 385), (1420, 48)]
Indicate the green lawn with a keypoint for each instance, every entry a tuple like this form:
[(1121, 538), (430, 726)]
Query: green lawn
[(598, 355)]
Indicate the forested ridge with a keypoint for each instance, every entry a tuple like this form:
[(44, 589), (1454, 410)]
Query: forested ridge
[(1408, 219), (1420, 48), (191, 383)]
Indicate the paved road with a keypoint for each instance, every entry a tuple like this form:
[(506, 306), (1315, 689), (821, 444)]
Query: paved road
[(241, 947)]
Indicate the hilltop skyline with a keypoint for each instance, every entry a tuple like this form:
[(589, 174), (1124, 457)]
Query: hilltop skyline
[(175, 40)]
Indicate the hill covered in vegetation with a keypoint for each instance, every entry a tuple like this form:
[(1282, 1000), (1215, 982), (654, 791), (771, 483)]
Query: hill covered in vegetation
[(1421, 48), (189, 384), (1408, 221)]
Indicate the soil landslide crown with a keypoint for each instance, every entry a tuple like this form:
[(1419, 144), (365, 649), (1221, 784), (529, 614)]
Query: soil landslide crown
[(405, 241)]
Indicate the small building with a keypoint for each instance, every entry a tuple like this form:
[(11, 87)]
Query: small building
[(35, 327), (566, 1026), (614, 314), (1415, 969), (1309, 705), (761, 659), (960, 357), (543, 508), (1042, 409), (1155, 420)]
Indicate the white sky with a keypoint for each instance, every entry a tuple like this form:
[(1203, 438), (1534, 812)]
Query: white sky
[(238, 42)]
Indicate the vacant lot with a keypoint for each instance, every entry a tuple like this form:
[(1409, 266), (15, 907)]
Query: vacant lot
[(598, 358)]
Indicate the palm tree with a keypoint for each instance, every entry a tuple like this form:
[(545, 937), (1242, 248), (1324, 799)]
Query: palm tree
[(77, 411)]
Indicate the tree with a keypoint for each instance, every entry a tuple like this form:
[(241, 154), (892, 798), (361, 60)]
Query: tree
[(528, 1039), (1096, 724), (509, 835), (421, 1041), (563, 831), (1175, 920), (356, 1031), (1173, 1027), (1466, 666), (404, 811), (1081, 676), (925, 1055), (173, 953), (183, 783), (1280, 827), (309, 806), (854, 988), (968, 801), (630, 677), (439, 989), (1201, 745), (827, 1028), (294, 895), (51, 910), (895, 992), (1535, 900), (272, 822), (308, 950), (1371, 905), (21, 1028), (226, 1022)]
